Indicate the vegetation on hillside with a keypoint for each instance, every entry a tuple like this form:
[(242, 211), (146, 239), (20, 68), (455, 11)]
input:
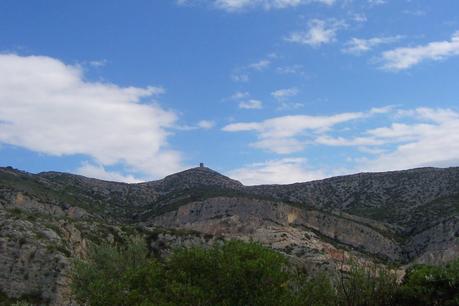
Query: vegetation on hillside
[(237, 273)]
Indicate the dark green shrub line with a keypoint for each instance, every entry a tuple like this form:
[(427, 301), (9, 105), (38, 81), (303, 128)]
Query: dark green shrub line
[(237, 273)]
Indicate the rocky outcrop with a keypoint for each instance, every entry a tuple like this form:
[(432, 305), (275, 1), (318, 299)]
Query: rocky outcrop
[(437, 244), (34, 261), (255, 218), (37, 249)]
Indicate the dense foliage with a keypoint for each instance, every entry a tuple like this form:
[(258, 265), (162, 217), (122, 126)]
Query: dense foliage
[(237, 273), (430, 285), (234, 273)]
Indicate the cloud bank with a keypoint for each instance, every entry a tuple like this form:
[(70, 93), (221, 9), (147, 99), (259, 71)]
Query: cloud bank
[(282, 171), (409, 138), (284, 135), (48, 107), (405, 58)]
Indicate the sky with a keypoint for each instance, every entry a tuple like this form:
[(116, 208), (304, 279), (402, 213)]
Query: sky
[(264, 91)]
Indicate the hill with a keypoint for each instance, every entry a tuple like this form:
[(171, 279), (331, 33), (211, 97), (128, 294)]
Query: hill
[(396, 218)]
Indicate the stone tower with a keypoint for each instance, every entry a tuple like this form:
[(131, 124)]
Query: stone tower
[(201, 165)]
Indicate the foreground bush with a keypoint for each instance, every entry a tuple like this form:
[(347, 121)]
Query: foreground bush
[(431, 285), (113, 276), (370, 285), (235, 273), (238, 273)]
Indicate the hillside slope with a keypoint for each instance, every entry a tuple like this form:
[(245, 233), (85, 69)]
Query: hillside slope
[(47, 218)]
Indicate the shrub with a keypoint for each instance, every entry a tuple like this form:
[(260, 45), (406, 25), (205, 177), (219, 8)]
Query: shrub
[(234, 273), (237, 273), (116, 276), (317, 290), (368, 285), (431, 285)]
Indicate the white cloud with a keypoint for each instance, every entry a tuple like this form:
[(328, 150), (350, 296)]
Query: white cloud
[(279, 134), (288, 126), (320, 32), (238, 5), (99, 171), (405, 58), (282, 94), (421, 137), (399, 131), (206, 124), (377, 2), (282, 171), (242, 97), (47, 106), (251, 104), (239, 95), (260, 65), (279, 145), (340, 141), (434, 142), (201, 125), (438, 115), (428, 138), (382, 110), (358, 46)]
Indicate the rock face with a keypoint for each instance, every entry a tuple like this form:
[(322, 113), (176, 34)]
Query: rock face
[(255, 218), (34, 260), (47, 219)]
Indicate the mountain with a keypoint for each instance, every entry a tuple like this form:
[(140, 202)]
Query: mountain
[(396, 218)]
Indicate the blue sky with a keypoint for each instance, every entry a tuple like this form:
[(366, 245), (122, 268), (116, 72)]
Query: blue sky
[(266, 91)]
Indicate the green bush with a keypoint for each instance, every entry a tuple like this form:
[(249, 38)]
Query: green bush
[(113, 276), (237, 273), (234, 273), (318, 290), (366, 286), (431, 285)]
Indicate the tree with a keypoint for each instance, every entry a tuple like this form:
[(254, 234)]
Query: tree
[(431, 285)]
